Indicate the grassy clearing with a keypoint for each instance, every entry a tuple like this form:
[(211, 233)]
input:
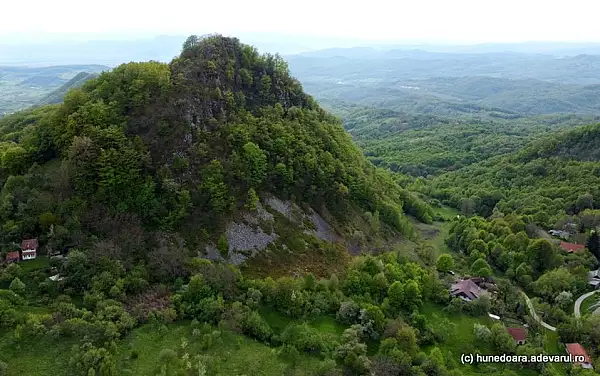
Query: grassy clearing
[(279, 322), (41, 262), (457, 331), (38, 357), (234, 355), (456, 328), (446, 212)]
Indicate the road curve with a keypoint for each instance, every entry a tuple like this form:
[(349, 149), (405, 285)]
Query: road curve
[(534, 315), (580, 300)]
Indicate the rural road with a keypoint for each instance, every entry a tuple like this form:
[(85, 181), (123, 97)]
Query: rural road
[(535, 316), (580, 300)]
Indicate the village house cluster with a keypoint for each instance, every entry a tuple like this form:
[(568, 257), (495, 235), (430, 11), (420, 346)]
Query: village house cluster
[(28, 251), (469, 289)]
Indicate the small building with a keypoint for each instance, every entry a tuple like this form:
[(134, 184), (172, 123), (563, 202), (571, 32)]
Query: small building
[(518, 334), (560, 234), (594, 278), (13, 257), (572, 247), (467, 290), (575, 349), (29, 249)]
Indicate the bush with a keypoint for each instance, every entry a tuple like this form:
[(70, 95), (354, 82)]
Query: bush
[(308, 339), (256, 326), (17, 286), (348, 312)]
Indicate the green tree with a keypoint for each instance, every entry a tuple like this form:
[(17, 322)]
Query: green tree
[(90, 360), (481, 268), (352, 353), (445, 263), (593, 244), (252, 165), (17, 286), (15, 160), (251, 199), (541, 255), (502, 342), (191, 42)]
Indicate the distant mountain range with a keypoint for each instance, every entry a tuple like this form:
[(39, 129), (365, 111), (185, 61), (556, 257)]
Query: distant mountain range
[(114, 50)]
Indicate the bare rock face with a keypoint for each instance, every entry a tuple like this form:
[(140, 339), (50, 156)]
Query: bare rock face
[(247, 238)]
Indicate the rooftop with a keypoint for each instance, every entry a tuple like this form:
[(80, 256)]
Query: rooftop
[(577, 349), (519, 334), (572, 247), (29, 244), (13, 256), (466, 287)]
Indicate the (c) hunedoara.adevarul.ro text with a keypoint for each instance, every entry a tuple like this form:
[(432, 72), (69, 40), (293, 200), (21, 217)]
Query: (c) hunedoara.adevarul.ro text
[(506, 358)]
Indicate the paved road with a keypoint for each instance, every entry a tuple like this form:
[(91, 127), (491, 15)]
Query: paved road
[(580, 300), (534, 315)]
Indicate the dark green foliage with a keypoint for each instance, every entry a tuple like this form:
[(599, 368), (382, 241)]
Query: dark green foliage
[(593, 244)]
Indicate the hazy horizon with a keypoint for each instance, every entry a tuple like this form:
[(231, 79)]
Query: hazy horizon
[(462, 22)]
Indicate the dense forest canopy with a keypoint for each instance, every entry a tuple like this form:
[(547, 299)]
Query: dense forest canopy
[(154, 145), (135, 182)]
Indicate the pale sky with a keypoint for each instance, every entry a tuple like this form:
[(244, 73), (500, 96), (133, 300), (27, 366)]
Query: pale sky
[(470, 21)]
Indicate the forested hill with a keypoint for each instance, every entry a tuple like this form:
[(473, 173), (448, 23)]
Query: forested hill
[(152, 148), (582, 144), (57, 95), (553, 176)]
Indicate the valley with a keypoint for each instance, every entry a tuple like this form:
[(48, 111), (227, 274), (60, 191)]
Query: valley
[(330, 213)]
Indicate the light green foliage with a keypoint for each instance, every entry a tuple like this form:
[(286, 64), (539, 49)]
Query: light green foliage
[(89, 360), (251, 199), (444, 263), (502, 342), (481, 268)]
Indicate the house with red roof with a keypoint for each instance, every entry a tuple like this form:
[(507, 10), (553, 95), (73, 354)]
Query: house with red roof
[(572, 247), (13, 257), (29, 249), (575, 349), (518, 334)]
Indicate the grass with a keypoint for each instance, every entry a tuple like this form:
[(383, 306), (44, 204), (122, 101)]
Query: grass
[(457, 328), (37, 357), (278, 322), (234, 355), (588, 303), (446, 212), (40, 262), (459, 339)]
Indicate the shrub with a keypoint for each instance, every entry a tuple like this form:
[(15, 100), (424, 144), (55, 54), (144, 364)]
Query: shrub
[(256, 326)]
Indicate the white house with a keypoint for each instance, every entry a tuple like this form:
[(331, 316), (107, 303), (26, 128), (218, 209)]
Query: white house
[(29, 249)]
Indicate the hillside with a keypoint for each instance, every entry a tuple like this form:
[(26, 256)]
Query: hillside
[(182, 148), (21, 87), (208, 217), (422, 145), (550, 177), (57, 95), (484, 86)]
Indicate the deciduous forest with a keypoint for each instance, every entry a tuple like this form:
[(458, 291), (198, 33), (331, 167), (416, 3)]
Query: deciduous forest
[(229, 214)]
